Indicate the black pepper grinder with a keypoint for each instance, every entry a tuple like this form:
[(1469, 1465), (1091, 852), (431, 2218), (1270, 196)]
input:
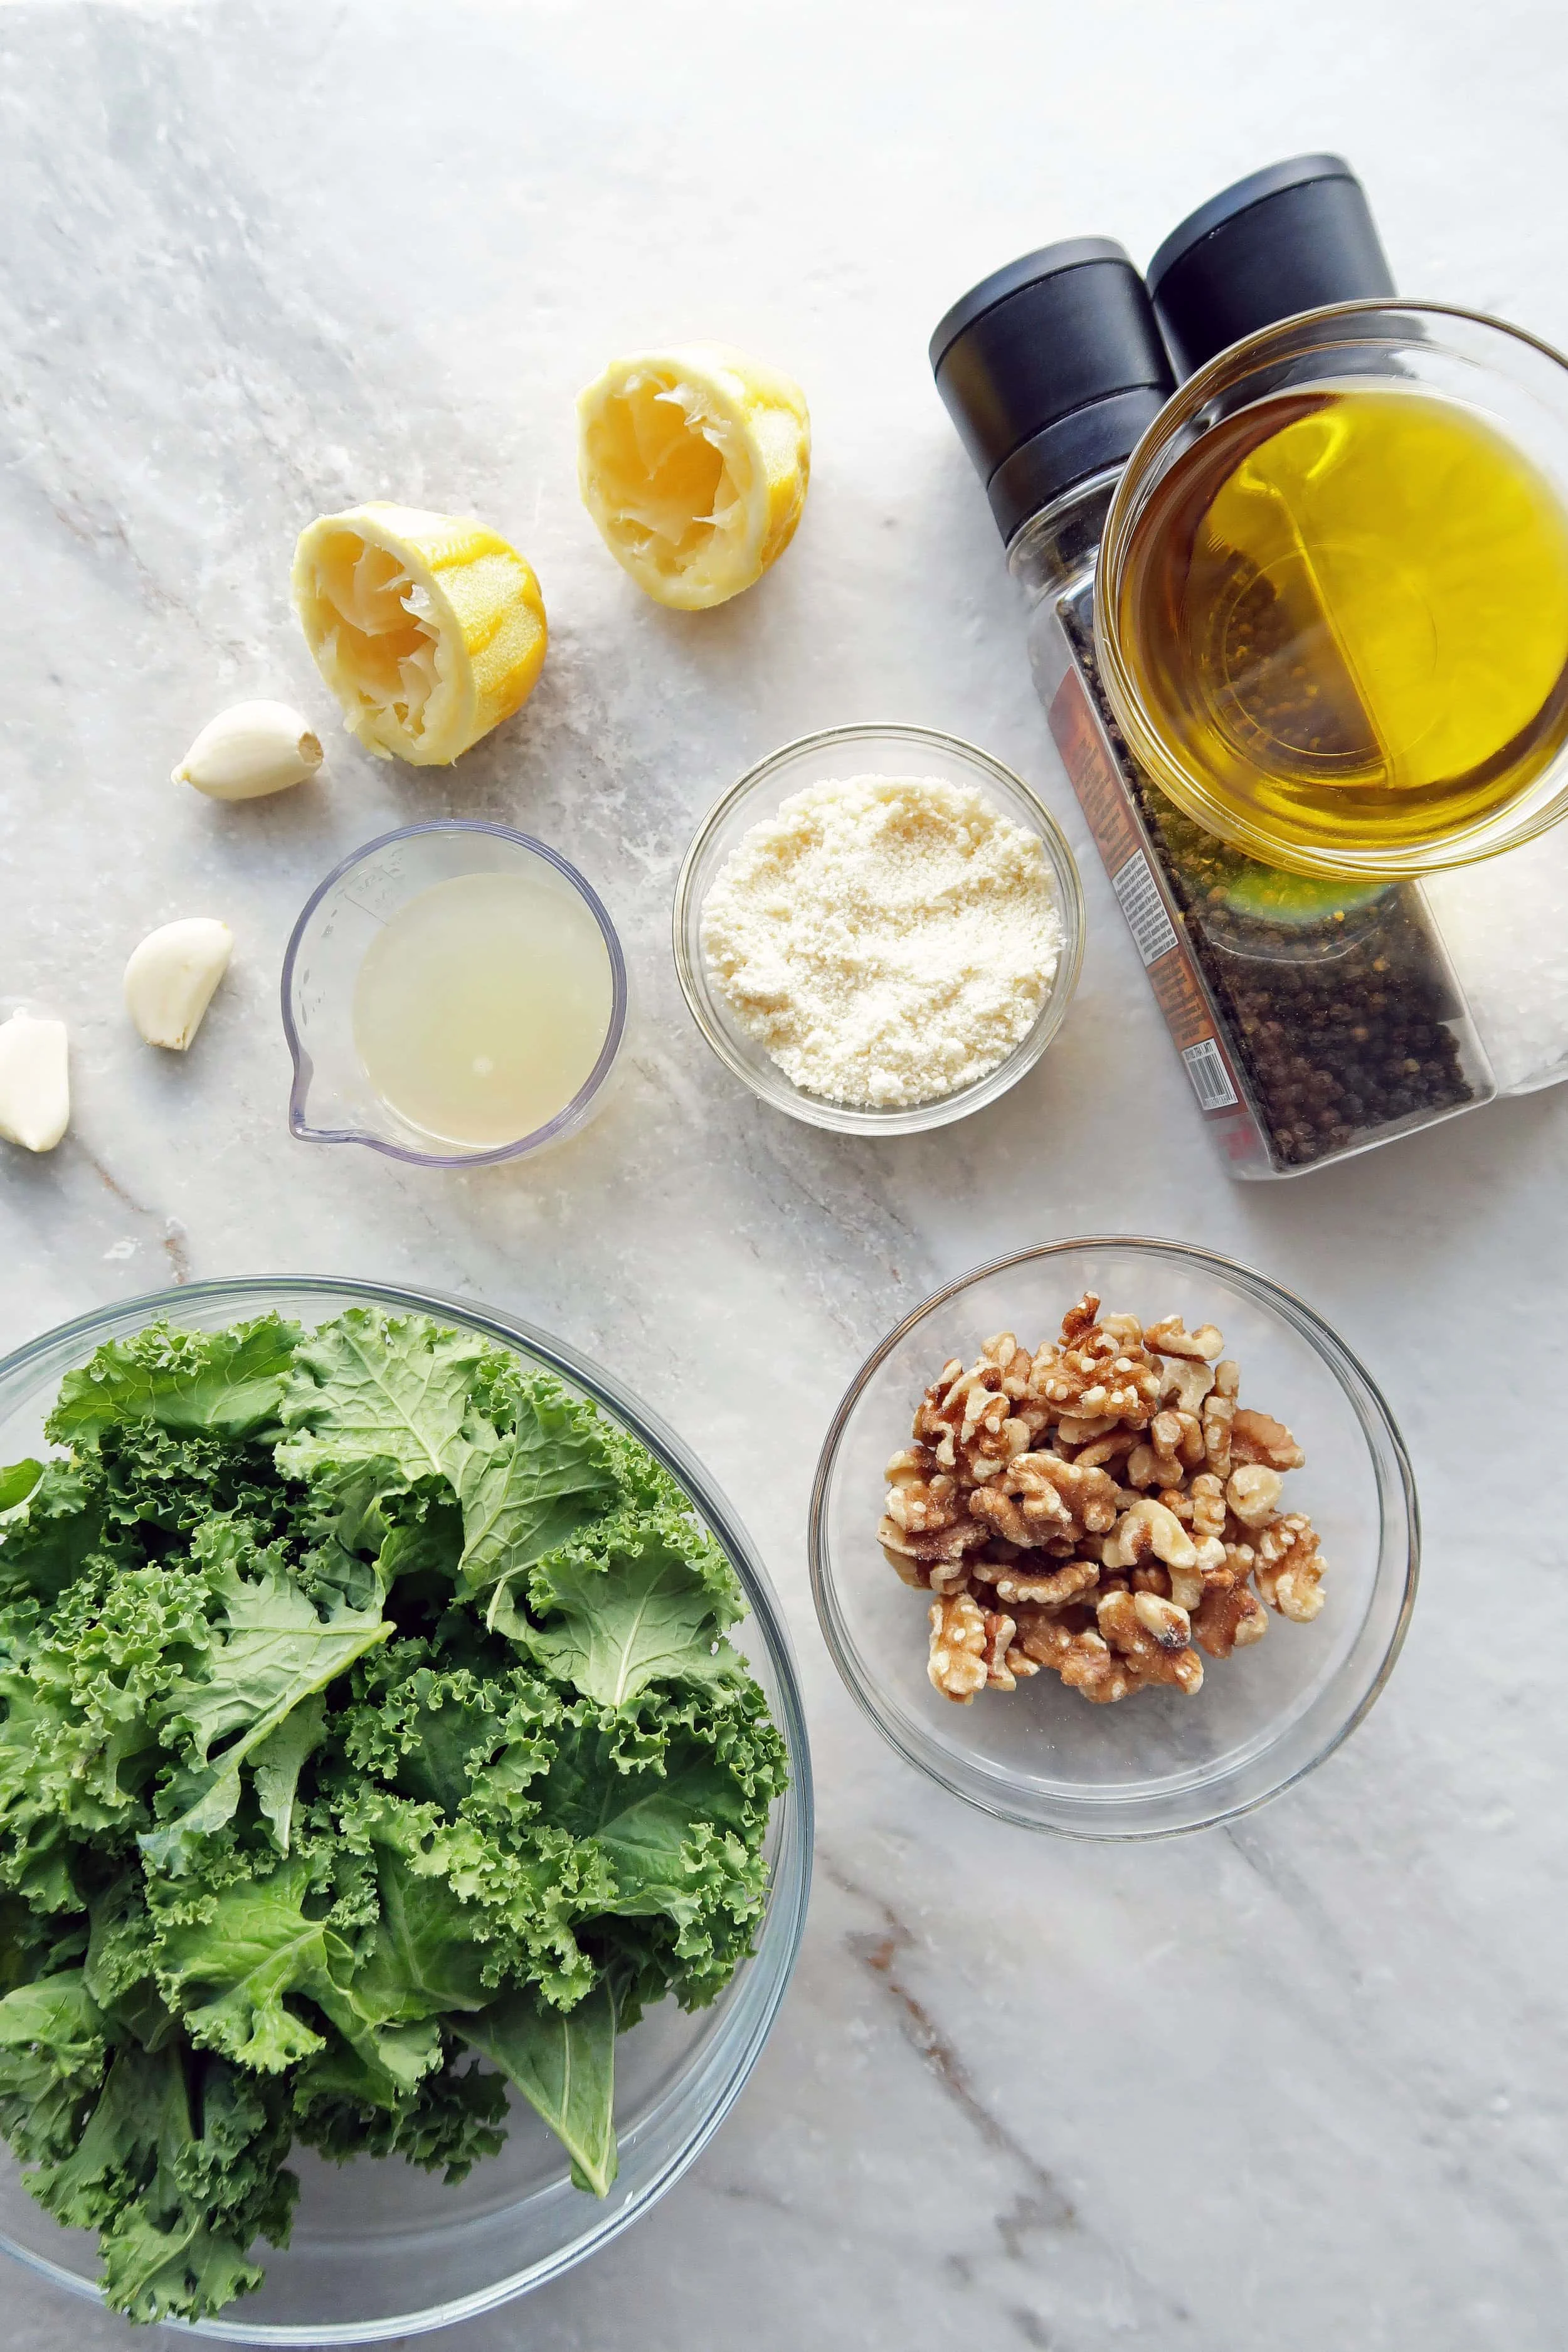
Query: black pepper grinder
[(1291, 238), (1288, 1006), (1051, 368)]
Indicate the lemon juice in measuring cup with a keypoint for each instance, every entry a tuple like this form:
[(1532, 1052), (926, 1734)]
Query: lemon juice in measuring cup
[(453, 993)]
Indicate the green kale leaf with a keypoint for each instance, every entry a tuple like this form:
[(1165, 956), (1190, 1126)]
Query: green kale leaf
[(270, 1649), (456, 2116), (644, 1614), (564, 2063), (277, 1762), (423, 1956), (52, 2055), (43, 1550), (224, 1383), (18, 1481), (526, 1492), (370, 1385), (230, 1970), (179, 2167)]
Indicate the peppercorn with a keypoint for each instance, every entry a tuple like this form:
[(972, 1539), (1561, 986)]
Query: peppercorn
[(1338, 1020)]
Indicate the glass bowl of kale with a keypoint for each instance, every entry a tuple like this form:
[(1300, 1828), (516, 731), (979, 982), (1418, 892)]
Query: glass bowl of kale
[(405, 1809)]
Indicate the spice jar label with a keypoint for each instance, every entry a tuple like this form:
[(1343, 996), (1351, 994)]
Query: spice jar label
[(1137, 896)]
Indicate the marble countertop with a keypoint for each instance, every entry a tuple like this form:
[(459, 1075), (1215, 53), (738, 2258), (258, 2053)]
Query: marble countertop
[(1300, 2081)]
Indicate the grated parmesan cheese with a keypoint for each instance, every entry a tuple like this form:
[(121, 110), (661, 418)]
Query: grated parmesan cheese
[(886, 938)]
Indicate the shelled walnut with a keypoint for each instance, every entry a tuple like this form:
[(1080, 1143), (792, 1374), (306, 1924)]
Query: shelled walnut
[(1098, 1507)]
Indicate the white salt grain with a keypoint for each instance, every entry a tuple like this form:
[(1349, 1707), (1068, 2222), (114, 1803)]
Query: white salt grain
[(887, 938)]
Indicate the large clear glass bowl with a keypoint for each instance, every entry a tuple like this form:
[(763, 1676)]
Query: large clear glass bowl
[(1159, 1761), (1511, 380), (835, 755), (381, 2249)]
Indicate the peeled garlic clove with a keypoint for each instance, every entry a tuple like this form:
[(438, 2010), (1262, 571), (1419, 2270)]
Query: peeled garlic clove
[(34, 1084), (170, 978), (256, 748)]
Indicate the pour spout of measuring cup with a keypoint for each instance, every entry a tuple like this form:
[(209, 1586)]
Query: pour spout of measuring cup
[(313, 1117), (325, 1105)]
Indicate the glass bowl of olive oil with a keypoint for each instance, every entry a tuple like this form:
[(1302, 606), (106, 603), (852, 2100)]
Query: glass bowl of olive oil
[(1331, 610), (454, 993)]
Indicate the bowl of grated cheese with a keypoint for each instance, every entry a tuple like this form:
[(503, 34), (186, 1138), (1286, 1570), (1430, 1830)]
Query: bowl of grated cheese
[(878, 929)]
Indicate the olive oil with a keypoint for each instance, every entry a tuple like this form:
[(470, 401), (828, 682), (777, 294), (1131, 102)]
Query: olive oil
[(1345, 615)]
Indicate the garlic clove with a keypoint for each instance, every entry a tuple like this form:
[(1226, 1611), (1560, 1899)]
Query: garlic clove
[(253, 748), (170, 978), (35, 1083)]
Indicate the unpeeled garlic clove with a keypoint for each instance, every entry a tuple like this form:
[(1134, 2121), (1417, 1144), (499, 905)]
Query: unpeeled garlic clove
[(35, 1081), (253, 748), (170, 978)]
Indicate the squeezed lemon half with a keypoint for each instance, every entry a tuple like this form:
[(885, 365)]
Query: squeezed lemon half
[(694, 462), (428, 628)]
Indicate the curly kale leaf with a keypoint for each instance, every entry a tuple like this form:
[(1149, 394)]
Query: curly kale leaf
[(270, 1649), (80, 1692), (455, 2117), (525, 1493), (44, 1549), (235, 1965), (617, 1619), (17, 1480), (564, 2066), (369, 1386), (278, 1760), (120, 1967), (516, 1890), (52, 2056), (423, 1958), (230, 1968), (679, 1817), (158, 1487), (179, 2167), (227, 1384), (436, 1735)]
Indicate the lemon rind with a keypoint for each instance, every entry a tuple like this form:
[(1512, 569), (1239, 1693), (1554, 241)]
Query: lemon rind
[(458, 711), (765, 414)]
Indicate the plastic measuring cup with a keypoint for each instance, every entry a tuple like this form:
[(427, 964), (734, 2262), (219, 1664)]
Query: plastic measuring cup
[(331, 1100)]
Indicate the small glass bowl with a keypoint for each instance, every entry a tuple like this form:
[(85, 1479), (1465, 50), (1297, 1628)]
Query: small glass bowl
[(1517, 382), (1156, 1762), (380, 2250), (331, 1100), (837, 753)]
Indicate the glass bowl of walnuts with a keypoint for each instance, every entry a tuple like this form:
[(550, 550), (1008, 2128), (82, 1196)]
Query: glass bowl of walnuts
[(1114, 1539)]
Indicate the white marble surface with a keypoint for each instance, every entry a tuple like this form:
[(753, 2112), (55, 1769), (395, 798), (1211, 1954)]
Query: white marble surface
[(1300, 2081)]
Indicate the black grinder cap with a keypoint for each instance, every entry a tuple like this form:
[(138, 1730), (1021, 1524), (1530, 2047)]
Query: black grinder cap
[(1286, 239), (1051, 368)]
